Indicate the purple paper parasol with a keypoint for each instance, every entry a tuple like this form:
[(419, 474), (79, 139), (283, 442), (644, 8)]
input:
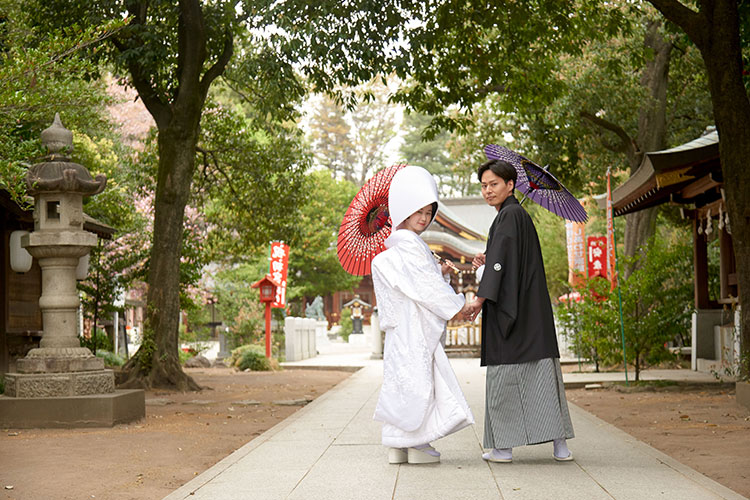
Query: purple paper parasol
[(539, 184)]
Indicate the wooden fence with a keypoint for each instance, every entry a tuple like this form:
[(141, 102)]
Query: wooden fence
[(464, 334)]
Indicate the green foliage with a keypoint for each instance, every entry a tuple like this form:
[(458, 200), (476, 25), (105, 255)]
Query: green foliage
[(255, 360), (656, 303), (433, 155), (657, 299), (99, 341), (238, 304), (346, 324), (44, 74), (110, 359), (314, 268), (250, 357), (592, 325), (197, 329), (336, 46), (250, 183), (466, 50), (114, 264), (351, 143), (185, 355), (144, 358), (330, 139), (599, 104), (236, 353), (535, 67)]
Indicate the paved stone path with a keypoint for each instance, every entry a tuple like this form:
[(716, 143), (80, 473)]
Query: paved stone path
[(331, 450)]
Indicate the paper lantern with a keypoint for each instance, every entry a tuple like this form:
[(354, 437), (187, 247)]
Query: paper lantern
[(82, 270), (20, 258)]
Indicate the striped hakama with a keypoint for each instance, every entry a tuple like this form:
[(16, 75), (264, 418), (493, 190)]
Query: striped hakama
[(525, 404)]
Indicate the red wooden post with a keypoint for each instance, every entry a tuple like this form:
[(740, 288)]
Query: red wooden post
[(268, 330), (267, 294)]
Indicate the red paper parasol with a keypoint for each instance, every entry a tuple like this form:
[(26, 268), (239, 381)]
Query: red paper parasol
[(366, 224)]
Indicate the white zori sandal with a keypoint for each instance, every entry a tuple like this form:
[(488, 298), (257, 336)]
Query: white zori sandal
[(423, 454), (499, 455), (561, 451), (397, 456)]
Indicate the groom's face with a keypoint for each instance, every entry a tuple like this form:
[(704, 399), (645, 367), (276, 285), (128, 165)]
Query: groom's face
[(494, 188)]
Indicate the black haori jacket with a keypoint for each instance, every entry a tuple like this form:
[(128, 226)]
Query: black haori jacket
[(517, 321)]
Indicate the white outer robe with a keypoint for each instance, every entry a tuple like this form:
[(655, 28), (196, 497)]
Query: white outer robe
[(420, 399)]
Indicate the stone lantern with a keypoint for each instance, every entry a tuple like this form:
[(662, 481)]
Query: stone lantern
[(60, 367)]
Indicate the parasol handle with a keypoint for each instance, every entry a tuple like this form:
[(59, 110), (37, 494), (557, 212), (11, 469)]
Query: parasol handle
[(531, 187), (441, 260)]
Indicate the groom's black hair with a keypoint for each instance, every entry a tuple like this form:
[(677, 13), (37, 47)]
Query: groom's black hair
[(500, 168)]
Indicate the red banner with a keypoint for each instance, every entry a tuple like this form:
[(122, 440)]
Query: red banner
[(597, 256), (611, 270), (279, 265)]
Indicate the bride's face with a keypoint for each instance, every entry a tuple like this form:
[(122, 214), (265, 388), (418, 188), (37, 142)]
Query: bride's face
[(419, 220)]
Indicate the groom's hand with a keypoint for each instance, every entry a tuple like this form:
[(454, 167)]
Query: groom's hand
[(478, 260)]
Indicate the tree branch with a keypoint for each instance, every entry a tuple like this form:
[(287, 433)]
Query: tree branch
[(492, 89), (691, 22), (191, 48), (142, 83), (206, 153), (220, 65), (234, 87), (627, 144)]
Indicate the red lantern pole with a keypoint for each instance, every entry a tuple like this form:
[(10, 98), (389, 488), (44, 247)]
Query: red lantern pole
[(267, 289), (268, 330)]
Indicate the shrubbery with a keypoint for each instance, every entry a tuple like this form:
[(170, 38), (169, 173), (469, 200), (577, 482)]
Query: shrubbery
[(99, 341), (346, 324), (185, 355), (250, 357), (110, 358), (656, 306)]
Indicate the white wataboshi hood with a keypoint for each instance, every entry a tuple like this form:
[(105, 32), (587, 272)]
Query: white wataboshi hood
[(411, 189)]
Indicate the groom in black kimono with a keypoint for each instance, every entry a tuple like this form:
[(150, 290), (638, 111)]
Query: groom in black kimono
[(525, 399)]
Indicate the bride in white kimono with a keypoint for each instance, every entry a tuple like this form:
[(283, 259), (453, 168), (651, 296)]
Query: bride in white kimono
[(420, 399)]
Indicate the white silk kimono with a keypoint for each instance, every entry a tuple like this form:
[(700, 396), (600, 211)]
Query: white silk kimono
[(420, 399)]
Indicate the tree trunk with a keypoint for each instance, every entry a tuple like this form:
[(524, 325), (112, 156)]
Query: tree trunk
[(157, 362), (637, 364), (652, 133), (177, 116), (732, 114), (715, 30), (651, 136)]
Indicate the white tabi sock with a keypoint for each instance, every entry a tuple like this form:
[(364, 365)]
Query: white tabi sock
[(427, 448), (561, 448)]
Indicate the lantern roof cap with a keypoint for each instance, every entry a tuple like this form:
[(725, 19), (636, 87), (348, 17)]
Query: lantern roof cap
[(266, 278), (57, 174)]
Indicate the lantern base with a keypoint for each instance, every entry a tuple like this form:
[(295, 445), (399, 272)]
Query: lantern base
[(59, 384), (100, 410), (59, 360)]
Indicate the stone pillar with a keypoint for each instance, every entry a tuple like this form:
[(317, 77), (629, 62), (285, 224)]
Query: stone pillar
[(291, 342), (377, 336), (223, 353)]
